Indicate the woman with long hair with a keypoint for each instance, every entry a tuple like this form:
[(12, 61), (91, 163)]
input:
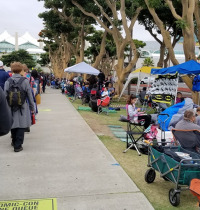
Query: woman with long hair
[(134, 113)]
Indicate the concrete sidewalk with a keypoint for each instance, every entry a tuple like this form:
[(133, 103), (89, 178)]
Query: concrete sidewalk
[(64, 159)]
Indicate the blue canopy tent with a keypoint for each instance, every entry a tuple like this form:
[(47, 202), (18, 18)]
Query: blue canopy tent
[(189, 67)]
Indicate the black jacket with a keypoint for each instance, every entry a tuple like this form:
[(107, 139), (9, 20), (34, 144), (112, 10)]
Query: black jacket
[(101, 77), (3, 77), (5, 115)]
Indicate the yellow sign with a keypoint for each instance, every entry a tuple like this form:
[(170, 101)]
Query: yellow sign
[(33, 204), (44, 110)]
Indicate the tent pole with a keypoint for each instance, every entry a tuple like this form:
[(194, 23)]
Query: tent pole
[(176, 90), (138, 84), (149, 81)]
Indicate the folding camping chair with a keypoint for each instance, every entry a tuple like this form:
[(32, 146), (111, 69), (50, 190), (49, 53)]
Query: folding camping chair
[(103, 105), (133, 129), (188, 139)]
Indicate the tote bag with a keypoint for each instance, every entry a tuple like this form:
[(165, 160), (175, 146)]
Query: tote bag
[(38, 99)]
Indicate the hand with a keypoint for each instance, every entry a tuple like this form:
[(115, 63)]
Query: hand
[(138, 109)]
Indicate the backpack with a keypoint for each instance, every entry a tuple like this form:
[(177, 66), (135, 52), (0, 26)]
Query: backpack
[(16, 95), (196, 83)]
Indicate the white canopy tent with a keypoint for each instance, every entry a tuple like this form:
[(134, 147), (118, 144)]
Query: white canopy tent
[(82, 68), (140, 73)]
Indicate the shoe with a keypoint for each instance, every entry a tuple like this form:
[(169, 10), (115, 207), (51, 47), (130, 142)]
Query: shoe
[(12, 144), (18, 150), (27, 130)]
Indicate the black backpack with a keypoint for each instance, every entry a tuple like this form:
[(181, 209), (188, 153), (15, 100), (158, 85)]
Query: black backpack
[(16, 95)]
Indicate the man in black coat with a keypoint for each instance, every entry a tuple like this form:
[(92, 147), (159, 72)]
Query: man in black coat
[(5, 115), (101, 79), (3, 75)]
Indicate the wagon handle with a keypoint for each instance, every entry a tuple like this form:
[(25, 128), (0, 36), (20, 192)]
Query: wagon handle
[(164, 114)]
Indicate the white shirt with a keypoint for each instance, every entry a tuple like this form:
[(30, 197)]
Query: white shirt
[(104, 93), (132, 112)]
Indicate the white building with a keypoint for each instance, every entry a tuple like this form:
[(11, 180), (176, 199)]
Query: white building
[(9, 43)]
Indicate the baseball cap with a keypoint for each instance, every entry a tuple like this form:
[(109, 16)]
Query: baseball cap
[(1, 63)]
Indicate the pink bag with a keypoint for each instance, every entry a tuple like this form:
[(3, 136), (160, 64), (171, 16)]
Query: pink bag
[(152, 133)]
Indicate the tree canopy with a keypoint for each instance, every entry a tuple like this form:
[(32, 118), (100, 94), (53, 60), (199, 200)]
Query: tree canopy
[(70, 23), (21, 56)]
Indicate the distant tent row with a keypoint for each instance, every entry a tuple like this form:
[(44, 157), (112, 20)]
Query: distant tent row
[(82, 68), (187, 68)]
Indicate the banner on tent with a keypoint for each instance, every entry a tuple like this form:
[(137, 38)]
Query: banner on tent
[(164, 88)]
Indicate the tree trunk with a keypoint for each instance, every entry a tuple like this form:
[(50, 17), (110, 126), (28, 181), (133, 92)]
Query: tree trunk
[(120, 74), (166, 60), (102, 51), (189, 46), (165, 34), (162, 54)]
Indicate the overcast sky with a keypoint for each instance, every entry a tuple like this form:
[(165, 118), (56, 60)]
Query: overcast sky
[(22, 15)]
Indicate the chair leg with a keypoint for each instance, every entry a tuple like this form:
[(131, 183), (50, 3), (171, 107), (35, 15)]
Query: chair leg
[(133, 144)]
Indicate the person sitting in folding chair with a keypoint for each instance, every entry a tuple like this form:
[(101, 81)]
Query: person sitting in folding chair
[(105, 93), (134, 114), (188, 122)]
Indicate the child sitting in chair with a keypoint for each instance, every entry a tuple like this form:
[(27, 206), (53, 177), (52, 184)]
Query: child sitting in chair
[(134, 114), (105, 93)]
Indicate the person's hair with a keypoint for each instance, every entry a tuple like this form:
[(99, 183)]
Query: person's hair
[(198, 109), (188, 114), (34, 74), (25, 68), (179, 93), (144, 88), (16, 67), (131, 97)]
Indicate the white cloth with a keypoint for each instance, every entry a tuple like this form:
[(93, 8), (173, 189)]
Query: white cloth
[(104, 93)]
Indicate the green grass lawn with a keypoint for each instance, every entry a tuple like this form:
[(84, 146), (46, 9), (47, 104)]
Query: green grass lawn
[(135, 166)]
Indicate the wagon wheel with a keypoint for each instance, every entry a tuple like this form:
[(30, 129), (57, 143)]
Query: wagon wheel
[(150, 175), (174, 198)]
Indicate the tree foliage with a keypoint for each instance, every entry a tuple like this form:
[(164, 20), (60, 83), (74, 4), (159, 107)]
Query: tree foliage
[(21, 56), (148, 62), (44, 59)]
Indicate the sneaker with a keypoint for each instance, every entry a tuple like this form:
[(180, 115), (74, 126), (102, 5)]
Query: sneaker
[(18, 150), (27, 130)]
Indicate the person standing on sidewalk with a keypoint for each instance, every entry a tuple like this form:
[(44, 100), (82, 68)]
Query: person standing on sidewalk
[(21, 117), (3, 75), (5, 115)]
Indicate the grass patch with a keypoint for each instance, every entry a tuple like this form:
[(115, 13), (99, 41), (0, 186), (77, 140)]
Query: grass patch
[(135, 166)]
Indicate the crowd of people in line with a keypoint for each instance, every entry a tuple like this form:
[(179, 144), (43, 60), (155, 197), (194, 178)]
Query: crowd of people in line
[(20, 94)]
